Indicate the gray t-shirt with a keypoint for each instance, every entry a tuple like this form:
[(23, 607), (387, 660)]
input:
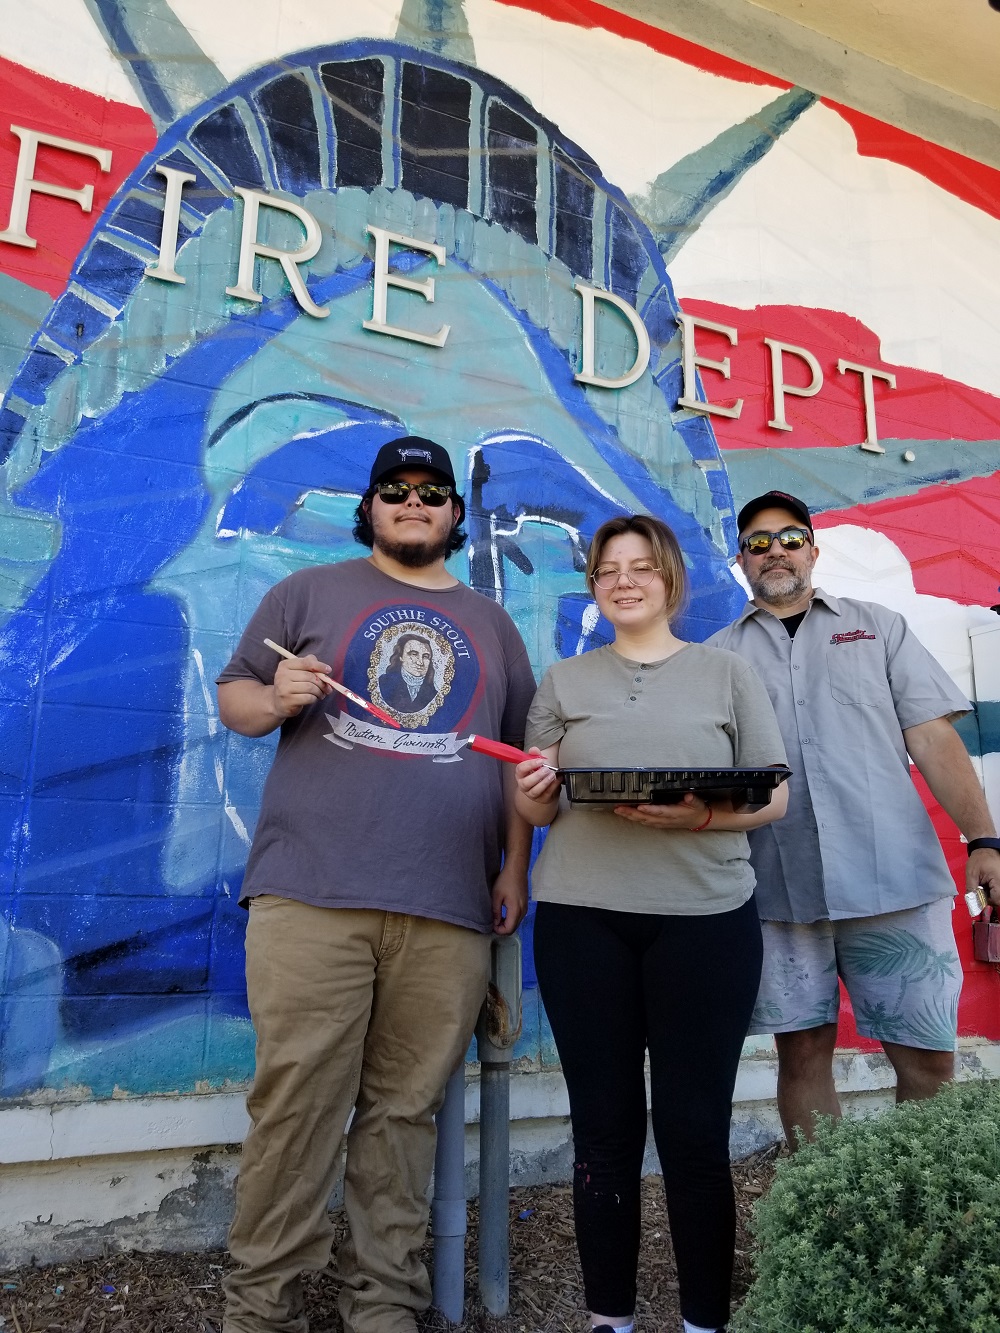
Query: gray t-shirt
[(355, 813), (857, 840), (700, 708)]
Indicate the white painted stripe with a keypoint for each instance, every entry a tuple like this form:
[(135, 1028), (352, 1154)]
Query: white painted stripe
[(47, 344), (96, 302), (199, 1120)]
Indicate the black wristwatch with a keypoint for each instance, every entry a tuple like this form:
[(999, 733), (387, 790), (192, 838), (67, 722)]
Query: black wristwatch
[(975, 844)]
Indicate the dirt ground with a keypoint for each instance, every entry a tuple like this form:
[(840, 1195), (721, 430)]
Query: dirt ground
[(180, 1293)]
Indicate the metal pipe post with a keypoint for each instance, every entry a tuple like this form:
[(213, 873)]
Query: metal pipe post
[(448, 1209), (498, 1028)]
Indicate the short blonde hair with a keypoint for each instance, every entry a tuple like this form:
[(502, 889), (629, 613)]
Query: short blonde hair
[(667, 555)]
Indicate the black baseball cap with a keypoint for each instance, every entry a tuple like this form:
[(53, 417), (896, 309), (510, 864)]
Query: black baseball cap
[(773, 500), (412, 451)]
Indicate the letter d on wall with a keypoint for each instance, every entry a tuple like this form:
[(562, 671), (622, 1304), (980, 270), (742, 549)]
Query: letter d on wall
[(587, 373)]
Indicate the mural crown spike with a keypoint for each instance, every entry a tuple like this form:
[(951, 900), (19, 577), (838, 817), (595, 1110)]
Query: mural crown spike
[(439, 26), (165, 65)]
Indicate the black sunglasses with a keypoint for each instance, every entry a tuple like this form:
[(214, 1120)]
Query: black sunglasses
[(790, 539), (429, 493)]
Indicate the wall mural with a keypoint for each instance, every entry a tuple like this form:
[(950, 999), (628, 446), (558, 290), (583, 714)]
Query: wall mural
[(170, 451)]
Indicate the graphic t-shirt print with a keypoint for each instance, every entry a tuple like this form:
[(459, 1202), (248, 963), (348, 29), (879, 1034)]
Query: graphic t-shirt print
[(419, 667), (410, 672)]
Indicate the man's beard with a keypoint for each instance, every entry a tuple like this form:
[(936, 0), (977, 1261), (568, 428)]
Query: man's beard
[(413, 555), (780, 585)]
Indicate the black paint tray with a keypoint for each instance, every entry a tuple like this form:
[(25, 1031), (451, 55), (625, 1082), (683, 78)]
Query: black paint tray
[(747, 788)]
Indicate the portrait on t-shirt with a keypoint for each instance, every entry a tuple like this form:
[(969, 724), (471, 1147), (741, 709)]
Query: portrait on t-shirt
[(410, 672)]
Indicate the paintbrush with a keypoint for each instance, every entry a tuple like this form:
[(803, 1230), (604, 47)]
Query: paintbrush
[(341, 689)]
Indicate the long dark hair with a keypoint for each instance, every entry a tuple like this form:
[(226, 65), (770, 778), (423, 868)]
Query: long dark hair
[(364, 533)]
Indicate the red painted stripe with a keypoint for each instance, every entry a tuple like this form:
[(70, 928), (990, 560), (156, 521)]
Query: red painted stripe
[(949, 534), (923, 406), (961, 176), (588, 14), (60, 226)]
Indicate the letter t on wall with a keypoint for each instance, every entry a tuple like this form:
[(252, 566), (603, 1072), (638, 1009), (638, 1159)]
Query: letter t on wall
[(867, 374), (25, 184)]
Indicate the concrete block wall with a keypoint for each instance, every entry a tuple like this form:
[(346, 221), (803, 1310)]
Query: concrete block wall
[(169, 451)]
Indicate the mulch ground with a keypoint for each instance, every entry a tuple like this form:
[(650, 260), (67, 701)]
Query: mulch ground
[(181, 1293)]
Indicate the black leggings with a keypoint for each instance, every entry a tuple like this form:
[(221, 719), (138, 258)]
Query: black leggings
[(613, 984)]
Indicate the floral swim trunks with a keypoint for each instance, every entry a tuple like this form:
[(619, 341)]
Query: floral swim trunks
[(901, 970)]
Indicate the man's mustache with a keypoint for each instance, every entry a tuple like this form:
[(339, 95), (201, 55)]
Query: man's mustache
[(778, 564)]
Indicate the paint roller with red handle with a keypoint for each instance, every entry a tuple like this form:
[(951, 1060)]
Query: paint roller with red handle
[(510, 754)]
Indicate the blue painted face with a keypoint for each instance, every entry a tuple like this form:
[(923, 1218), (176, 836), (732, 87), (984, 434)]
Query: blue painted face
[(194, 452)]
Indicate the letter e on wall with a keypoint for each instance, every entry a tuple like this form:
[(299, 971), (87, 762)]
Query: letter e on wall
[(384, 279), (691, 362)]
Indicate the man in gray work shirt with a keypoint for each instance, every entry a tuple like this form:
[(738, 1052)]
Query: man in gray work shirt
[(852, 883)]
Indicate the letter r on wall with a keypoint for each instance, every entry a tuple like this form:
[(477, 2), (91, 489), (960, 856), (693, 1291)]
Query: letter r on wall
[(289, 260)]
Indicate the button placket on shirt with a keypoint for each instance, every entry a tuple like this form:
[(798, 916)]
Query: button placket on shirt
[(637, 682), (799, 702)]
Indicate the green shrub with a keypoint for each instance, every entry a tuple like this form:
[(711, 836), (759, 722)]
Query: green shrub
[(888, 1223)]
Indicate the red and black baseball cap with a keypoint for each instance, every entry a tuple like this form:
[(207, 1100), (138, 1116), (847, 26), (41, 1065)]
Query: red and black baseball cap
[(412, 451), (773, 500)]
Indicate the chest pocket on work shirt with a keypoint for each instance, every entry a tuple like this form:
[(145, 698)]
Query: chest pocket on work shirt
[(857, 672)]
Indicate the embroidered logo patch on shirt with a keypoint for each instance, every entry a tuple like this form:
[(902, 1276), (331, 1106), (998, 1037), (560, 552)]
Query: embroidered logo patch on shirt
[(851, 636)]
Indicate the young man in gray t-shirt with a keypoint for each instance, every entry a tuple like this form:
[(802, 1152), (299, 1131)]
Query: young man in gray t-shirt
[(384, 857)]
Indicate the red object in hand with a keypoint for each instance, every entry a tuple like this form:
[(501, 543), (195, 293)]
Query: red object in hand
[(374, 709), (341, 689), (510, 754)]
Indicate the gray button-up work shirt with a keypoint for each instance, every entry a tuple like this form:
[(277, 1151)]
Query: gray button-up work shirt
[(857, 840)]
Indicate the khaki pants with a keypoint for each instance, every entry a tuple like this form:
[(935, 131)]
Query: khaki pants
[(365, 1009)]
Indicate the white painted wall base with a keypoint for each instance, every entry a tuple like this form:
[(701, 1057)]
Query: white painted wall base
[(159, 1173), (171, 1199)]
